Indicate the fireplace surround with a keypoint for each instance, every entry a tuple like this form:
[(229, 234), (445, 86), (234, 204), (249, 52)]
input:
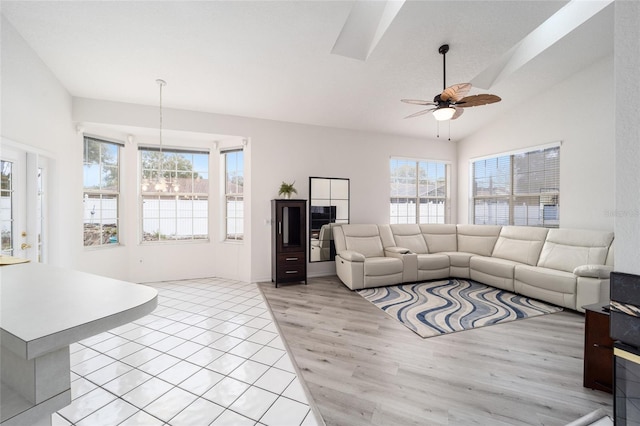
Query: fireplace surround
[(625, 329)]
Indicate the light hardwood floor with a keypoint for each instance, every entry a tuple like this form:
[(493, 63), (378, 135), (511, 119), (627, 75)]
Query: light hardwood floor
[(362, 367)]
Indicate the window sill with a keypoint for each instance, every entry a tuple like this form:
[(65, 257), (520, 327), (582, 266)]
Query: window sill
[(173, 242), (235, 242), (102, 246)]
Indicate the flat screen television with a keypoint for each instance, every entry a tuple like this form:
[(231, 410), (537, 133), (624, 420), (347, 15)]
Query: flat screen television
[(322, 215)]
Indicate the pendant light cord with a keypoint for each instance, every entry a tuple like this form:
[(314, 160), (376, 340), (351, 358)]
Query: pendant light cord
[(161, 83)]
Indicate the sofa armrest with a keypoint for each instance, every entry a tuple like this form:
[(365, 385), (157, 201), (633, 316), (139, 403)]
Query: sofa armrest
[(409, 262), (390, 251), (593, 271), (352, 256)]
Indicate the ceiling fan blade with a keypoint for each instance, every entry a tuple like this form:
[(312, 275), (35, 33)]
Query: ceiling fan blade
[(419, 113), (456, 92), (458, 113), (417, 102), (477, 100)]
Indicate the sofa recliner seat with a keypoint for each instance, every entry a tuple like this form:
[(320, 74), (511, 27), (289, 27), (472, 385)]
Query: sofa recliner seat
[(563, 253), (362, 262), (567, 267), (472, 240), (515, 245)]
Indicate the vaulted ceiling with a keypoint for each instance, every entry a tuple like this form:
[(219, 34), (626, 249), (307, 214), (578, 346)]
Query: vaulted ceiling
[(274, 60)]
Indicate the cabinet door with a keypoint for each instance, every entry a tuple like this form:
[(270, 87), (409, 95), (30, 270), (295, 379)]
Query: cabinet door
[(290, 225), (598, 352)]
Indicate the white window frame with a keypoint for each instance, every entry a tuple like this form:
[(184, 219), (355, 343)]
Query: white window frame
[(515, 208), (172, 197), (232, 197), (416, 198), (101, 194)]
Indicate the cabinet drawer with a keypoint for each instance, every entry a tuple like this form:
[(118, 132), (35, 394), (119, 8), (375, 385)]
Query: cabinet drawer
[(291, 266), (291, 258)]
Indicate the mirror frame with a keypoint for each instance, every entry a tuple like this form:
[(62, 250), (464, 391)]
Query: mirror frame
[(316, 248)]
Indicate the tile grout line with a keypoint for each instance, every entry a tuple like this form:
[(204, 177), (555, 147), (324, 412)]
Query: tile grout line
[(242, 296)]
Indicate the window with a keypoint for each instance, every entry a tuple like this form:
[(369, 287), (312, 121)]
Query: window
[(419, 191), (6, 207), (234, 194), (518, 189), (181, 212), (101, 192), (492, 190)]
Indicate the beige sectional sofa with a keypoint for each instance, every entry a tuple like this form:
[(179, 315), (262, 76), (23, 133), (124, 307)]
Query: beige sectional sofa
[(566, 267)]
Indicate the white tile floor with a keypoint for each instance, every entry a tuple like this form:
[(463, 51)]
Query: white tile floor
[(208, 355)]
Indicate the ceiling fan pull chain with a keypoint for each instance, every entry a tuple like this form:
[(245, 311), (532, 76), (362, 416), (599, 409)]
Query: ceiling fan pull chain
[(437, 129), (449, 121)]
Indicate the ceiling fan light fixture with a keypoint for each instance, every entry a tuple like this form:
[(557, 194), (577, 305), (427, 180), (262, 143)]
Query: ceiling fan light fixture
[(444, 113)]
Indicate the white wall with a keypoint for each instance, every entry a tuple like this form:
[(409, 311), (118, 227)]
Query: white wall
[(37, 111), (577, 112), (276, 151), (36, 114), (627, 92)]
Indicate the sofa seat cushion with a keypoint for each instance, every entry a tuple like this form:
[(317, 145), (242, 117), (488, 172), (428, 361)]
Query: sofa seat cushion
[(545, 278), (378, 266), (493, 266), (459, 258), (459, 264), (492, 271), (428, 262)]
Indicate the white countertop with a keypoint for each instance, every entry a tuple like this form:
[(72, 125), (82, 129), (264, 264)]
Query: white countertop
[(44, 307)]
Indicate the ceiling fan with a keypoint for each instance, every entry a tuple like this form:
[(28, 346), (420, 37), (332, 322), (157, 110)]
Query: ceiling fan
[(448, 104)]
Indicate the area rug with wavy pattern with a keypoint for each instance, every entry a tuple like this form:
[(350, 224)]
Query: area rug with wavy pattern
[(440, 307)]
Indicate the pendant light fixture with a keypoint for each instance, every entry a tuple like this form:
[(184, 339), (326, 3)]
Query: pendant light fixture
[(158, 184)]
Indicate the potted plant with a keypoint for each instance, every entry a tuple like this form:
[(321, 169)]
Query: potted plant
[(287, 189)]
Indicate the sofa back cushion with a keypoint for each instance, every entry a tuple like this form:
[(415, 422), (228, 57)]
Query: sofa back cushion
[(363, 239), (478, 239), (520, 243), (338, 239), (566, 249), (440, 238), (326, 235), (408, 236), (610, 256)]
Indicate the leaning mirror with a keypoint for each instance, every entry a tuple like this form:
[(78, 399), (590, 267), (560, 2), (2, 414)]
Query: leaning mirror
[(328, 207)]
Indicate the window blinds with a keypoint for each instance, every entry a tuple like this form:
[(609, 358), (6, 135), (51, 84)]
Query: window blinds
[(517, 189)]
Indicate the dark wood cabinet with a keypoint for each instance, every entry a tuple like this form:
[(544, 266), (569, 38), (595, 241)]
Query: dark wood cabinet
[(288, 241), (598, 349)]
